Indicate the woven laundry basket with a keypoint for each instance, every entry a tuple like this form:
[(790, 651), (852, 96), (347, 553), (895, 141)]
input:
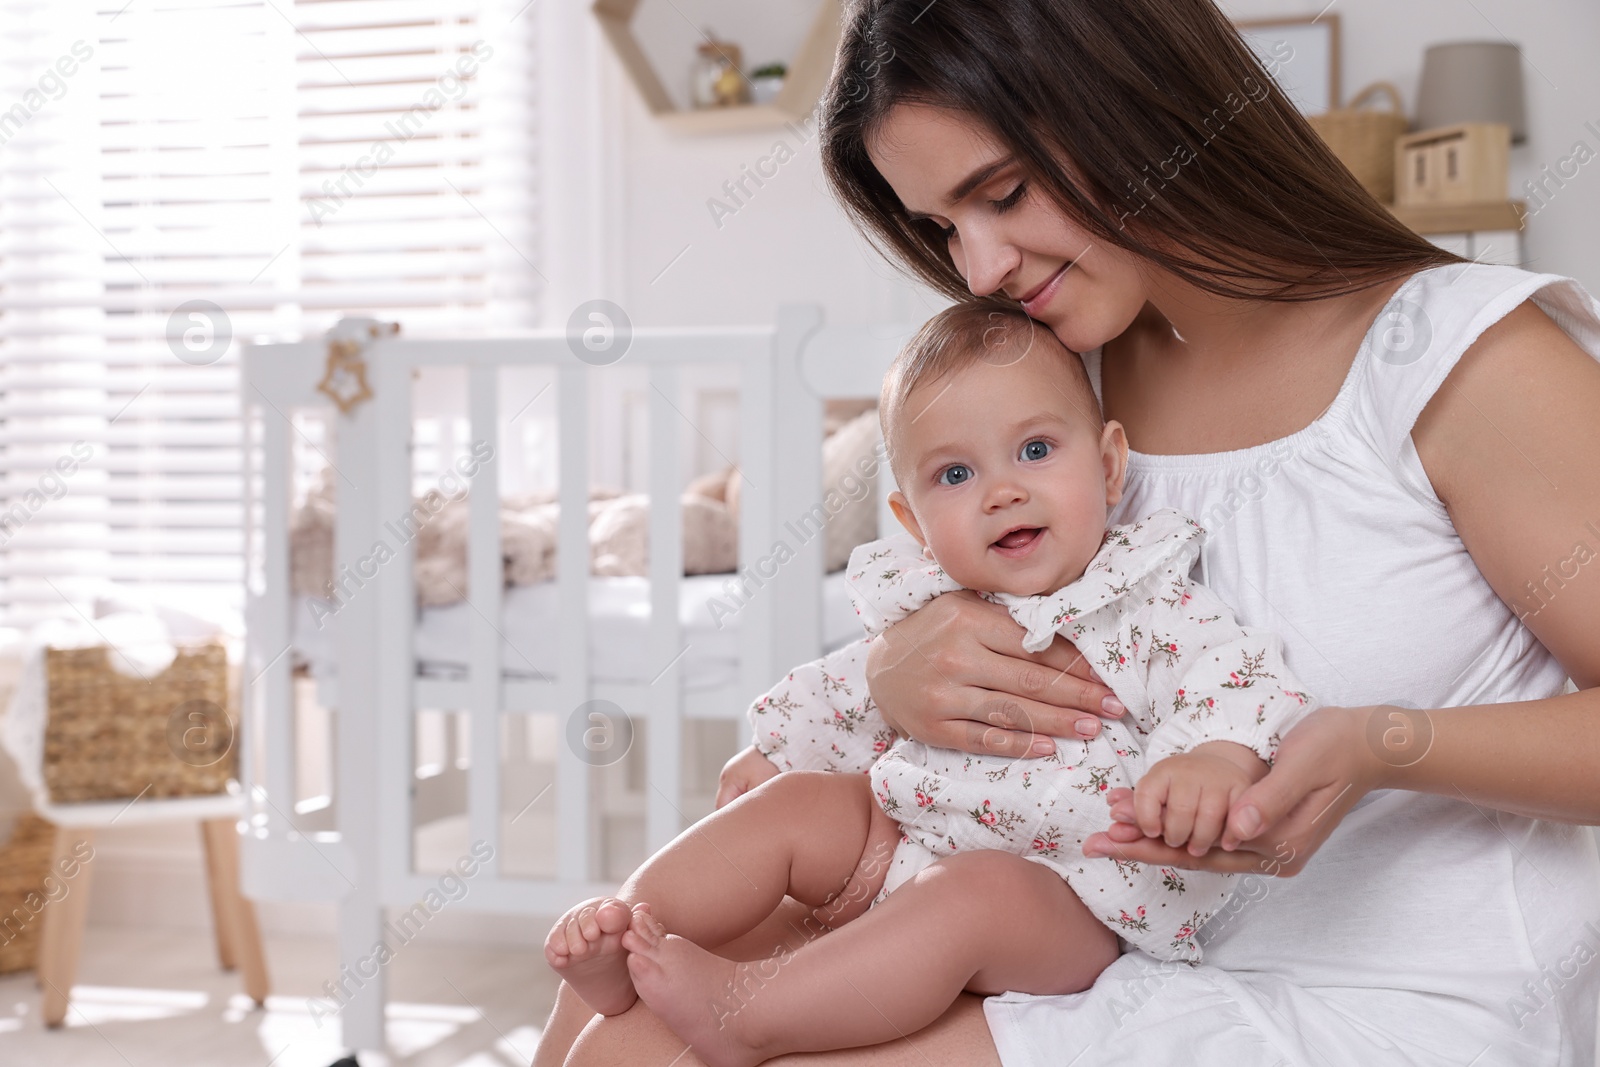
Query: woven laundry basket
[(110, 735), (1364, 138), (24, 863)]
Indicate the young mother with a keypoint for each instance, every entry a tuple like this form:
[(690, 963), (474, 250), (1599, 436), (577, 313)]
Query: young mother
[(1395, 453)]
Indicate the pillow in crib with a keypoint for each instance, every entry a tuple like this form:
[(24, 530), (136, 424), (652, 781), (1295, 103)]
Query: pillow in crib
[(845, 455), (849, 450)]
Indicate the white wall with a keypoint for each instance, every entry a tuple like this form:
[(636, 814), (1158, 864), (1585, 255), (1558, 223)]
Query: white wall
[(790, 242)]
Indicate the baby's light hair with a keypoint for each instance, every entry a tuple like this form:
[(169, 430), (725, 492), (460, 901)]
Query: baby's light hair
[(974, 331)]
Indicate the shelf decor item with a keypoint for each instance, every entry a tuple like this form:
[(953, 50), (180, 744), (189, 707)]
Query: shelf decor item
[(1364, 138), (1473, 81), (766, 82), (1468, 163), (715, 78)]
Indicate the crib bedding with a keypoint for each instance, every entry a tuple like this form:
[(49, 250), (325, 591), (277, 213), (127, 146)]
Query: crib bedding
[(619, 618)]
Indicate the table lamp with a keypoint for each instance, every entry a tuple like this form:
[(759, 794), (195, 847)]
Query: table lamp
[(1473, 81)]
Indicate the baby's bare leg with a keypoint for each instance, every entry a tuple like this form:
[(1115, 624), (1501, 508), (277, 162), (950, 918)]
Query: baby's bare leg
[(981, 921), (804, 834)]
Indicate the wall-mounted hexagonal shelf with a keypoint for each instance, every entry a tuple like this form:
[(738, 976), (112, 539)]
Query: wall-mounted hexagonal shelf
[(807, 76)]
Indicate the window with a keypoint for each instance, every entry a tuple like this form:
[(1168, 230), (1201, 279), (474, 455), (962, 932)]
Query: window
[(176, 178)]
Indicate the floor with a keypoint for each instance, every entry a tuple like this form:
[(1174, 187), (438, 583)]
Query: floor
[(153, 999)]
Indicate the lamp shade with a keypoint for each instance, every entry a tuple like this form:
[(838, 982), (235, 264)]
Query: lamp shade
[(1473, 81)]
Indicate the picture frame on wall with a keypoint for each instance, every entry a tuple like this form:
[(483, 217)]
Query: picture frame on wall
[(1302, 55)]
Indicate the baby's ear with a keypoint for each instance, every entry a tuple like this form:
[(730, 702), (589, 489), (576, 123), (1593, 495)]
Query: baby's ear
[(1114, 460), (902, 511)]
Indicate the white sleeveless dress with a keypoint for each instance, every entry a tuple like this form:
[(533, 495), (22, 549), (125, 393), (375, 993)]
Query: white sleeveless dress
[(1426, 930)]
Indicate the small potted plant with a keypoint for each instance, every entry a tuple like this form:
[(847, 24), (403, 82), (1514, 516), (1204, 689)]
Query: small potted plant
[(767, 81)]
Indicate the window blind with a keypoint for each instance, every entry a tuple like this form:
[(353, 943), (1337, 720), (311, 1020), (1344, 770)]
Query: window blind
[(176, 177)]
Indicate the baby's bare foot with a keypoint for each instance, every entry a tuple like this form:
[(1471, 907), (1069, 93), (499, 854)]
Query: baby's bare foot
[(585, 949), (698, 994)]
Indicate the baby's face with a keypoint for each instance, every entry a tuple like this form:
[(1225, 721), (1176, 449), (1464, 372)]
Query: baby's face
[(1010, 480)]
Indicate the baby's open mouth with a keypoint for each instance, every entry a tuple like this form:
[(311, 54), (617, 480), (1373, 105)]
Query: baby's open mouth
[(1019, 538)]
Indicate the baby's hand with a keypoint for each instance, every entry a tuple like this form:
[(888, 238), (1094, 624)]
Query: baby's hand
[(743, 773), (1187, 797)]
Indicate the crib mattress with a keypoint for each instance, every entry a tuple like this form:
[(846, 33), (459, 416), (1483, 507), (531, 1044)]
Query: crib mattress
[(618, 625)]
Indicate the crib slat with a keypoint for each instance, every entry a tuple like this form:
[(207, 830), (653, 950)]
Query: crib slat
[(576, 825), (664, 815), (366, 670), (798, 514), (757, 664), (275, 678), (397, 524), (486, 575)]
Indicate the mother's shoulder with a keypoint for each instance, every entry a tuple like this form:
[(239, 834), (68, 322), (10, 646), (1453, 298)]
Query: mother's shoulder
[(1522, 386)]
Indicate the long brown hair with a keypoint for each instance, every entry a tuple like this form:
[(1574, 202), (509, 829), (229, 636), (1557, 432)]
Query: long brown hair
[(1182, 148)]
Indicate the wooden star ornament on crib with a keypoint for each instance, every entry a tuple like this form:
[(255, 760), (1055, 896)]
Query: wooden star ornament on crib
[(344, 381)]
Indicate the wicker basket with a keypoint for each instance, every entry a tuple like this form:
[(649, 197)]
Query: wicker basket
[(111, 736), (1364, 139), (24, 863)]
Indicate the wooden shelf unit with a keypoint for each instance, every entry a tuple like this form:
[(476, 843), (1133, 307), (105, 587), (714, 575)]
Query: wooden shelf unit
[(802, 87), (1461, 218)]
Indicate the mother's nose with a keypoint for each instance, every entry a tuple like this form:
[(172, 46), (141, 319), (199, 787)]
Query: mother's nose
[(985, 259)]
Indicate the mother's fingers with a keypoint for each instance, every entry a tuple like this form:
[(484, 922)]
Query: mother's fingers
[(1057, 676), (1153, 850), (1004, 725), (1323, 768)]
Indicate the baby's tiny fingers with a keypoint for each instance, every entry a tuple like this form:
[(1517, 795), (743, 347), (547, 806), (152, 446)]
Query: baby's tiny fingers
[(1147, 802), (1183, 802), (1208, 823)]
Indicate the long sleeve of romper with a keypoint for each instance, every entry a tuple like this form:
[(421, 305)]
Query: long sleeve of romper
[(820, 716)]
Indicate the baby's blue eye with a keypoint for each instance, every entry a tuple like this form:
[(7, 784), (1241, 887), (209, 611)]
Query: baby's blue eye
[(954, 474), (1035, 450)]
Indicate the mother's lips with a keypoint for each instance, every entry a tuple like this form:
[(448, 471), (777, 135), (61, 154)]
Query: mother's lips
[(1033, 294)]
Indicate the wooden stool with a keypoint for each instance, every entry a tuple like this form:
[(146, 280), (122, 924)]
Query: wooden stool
[(234, 917)]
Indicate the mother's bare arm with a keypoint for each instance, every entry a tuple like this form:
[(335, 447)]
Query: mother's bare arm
[(954, 674), (1511, 444)]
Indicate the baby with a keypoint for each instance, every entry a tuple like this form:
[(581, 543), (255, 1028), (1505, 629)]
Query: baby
[(939, 871)]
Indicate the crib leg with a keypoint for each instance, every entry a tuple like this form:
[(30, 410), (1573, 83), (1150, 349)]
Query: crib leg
[(360, 930)]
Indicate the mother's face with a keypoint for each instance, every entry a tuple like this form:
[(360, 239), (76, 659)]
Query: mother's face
[(1004, 235)]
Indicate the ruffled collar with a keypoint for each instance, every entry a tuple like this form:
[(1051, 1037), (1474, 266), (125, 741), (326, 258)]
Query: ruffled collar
[(890, 578), (1166, 539)]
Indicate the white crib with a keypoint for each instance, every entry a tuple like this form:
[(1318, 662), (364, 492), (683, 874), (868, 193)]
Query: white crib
[(362, 857)]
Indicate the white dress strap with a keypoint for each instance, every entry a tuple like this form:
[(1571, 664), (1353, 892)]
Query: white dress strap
[(1430, 322)]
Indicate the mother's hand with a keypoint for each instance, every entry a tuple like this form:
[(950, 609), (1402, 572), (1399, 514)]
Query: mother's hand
[(954, 675), (1323, 767)]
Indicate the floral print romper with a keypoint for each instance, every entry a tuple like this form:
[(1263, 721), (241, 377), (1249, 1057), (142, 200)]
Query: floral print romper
[(1168, 647)]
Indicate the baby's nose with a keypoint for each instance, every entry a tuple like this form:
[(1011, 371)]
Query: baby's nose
[(1006, 494)]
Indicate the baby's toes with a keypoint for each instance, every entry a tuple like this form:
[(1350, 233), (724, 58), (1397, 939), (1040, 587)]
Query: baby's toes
[(555, 944), (612, 916), (644, 933), (587, 924), (578, 944)]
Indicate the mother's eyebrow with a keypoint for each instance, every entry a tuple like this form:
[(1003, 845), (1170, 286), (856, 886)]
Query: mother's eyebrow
[(964, 187)]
